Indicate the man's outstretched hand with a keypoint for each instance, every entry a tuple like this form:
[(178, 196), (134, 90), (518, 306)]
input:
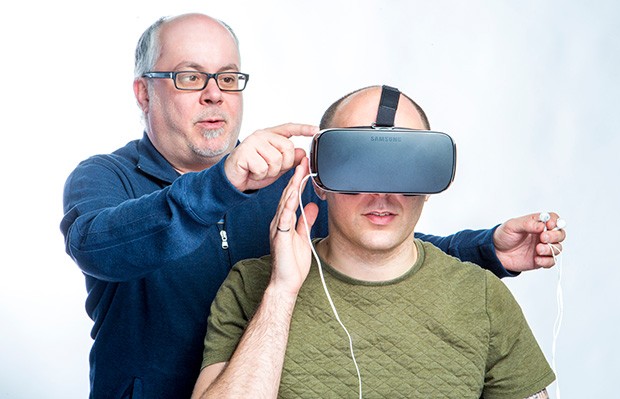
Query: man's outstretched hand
[(521, 243)]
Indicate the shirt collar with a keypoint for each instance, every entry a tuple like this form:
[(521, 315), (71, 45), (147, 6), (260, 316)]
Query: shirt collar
[(151, 162)]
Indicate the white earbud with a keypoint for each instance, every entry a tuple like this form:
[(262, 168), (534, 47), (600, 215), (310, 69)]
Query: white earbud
[(544, 217), (560, 224)]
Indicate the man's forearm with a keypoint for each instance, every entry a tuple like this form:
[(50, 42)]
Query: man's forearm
[(256, 366), (119, 227)]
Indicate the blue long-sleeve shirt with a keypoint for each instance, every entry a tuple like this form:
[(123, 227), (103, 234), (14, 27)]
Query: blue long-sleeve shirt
[(150, 243)]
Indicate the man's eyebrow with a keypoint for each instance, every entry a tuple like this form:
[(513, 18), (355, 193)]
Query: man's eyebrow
[(193, 65), (229, 67)]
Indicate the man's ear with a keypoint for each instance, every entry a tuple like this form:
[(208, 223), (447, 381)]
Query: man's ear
[(142, 93), (426, 197)]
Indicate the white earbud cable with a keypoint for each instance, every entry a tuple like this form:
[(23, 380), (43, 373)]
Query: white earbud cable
[(329, 298), (558, 320), (556, 253)]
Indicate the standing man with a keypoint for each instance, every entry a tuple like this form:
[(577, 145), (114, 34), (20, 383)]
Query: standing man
[(156, 226)]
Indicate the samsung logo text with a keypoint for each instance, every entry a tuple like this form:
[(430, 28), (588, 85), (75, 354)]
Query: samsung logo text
[(386, 139)]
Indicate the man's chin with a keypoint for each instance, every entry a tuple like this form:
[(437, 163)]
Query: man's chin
[(208, 152), (212, 147)]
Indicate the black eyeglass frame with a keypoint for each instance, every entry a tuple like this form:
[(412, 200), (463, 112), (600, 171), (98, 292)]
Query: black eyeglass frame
[(173, 76)]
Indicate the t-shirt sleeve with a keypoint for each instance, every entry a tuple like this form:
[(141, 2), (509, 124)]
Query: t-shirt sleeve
[(233, 307), (516, 366)]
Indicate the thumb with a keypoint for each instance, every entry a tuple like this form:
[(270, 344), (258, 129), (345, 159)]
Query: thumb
[(300, 154), (529, 224), (311, 211), (534, 224)]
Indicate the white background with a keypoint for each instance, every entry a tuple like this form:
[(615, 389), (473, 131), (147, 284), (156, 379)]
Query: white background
[(528, 89)]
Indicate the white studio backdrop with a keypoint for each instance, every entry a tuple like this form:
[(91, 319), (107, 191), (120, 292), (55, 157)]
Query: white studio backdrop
[(529, 90)]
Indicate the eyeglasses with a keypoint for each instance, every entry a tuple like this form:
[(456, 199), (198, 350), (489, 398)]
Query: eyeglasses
[(193, 80)]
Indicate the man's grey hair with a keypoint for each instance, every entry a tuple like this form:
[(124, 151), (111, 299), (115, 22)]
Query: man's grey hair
[(148, 48)]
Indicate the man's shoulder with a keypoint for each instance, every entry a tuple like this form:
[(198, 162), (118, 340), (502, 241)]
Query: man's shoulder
[(437, 256), (246, 282), (252, 272), (455, 273), (254, 265), (136, 159), (128, 154)]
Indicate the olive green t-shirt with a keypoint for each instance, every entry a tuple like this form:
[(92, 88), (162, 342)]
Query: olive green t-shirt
[(445, 329)]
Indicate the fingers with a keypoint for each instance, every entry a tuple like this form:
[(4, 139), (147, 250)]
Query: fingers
[(289, 130), (548, 250), (545, 262), (284, 218), (553, 228), (530, 242), (551, 237), (537, 222), (549, 219), (546, 255), (311, 210), (266, 155), (290, 248)]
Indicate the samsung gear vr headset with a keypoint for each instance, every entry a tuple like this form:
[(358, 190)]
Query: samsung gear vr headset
[(383, 158)]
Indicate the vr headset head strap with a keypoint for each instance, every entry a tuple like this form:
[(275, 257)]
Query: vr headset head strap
[(387, 107)]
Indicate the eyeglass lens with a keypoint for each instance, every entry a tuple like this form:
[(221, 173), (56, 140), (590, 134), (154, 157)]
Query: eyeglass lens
[(198, 81)]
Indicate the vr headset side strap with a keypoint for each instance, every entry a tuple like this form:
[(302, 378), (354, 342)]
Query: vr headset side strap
[(387, 106)]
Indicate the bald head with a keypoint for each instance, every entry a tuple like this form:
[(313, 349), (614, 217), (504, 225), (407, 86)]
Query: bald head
[(191, 26), (359, 108)]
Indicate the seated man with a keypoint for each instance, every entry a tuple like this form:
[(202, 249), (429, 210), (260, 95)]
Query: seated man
[(422, 324)]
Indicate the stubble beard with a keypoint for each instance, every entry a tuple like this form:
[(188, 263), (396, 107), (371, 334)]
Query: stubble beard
[(209, 152)]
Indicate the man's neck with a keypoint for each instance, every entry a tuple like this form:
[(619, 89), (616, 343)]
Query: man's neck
[(368, 265), (198, 165), (188, 161)]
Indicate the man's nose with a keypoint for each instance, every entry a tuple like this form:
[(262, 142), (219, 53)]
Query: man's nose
[(211, 93)]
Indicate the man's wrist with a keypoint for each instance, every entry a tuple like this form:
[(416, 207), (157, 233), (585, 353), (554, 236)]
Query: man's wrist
[(281, 294)]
